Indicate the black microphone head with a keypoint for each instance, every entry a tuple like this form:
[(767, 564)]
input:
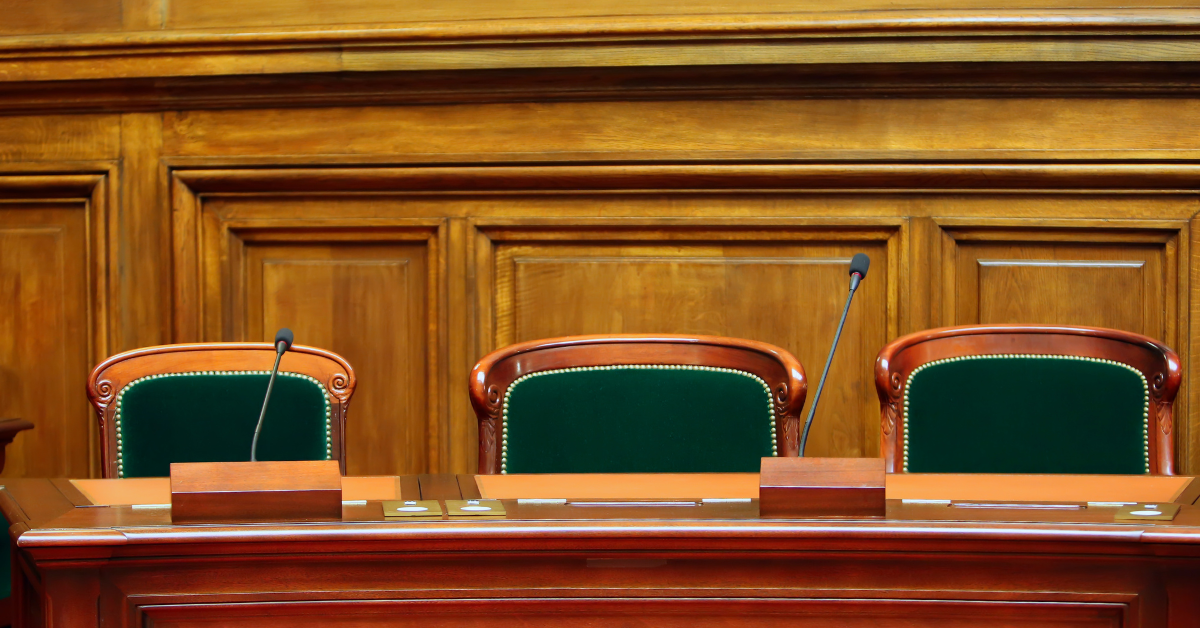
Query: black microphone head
[(285, 336), (859, 265)]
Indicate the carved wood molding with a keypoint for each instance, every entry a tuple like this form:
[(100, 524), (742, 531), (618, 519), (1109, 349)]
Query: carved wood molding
[(84, 186), (738, 37), (703, 177), (981, 79)]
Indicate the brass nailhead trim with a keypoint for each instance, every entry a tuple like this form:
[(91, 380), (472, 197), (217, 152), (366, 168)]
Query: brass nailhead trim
[(613, 367), (121, 394), (1141, 376)]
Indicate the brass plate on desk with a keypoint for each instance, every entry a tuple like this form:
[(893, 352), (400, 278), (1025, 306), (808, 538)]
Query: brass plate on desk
[(1147, 512), (412, 508), (474, 508)]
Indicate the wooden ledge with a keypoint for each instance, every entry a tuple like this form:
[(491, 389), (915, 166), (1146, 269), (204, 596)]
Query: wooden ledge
[(934, 35)]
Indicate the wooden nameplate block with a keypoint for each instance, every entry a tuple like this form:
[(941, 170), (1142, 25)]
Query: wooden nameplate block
[(301, 490), (821, 487)]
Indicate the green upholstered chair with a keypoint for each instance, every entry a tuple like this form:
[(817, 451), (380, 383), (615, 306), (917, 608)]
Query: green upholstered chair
[(1027, 399), (9, 428), (636, 403), (200, 403)]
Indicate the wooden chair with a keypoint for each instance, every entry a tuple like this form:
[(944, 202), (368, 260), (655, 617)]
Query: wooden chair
[(636, 403), (1027, 399), (200, 403), (9, 428)]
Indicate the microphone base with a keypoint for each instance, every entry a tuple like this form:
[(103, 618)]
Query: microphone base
[(300, 490), (822, 487)]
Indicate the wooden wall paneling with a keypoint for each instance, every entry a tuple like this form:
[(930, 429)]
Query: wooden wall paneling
[(783, 283), (216, 14), (53, 269), (211, 38), (140, 240), (1129, 275), (143, 15), (59, 139), (106, 15), (1030, 271), (482, 46), (185, 263), (365, 298), (916, 296), (368, 288), (482, 285), (833, 128), (519, 246), (458, 439), (60, 16)]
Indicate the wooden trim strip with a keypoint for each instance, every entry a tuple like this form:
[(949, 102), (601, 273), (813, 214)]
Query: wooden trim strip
[(71, 492), (572, 178), (993, 22), (467, 486)]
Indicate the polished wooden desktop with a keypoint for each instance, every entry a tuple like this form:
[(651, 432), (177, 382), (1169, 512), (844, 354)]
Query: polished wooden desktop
[(591, 561)]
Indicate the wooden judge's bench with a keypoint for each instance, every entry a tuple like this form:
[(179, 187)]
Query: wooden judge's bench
[(672, 550), (441, 179)]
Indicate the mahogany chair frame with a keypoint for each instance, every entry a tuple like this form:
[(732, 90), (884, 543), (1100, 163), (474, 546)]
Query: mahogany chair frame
[(9, 428), (492, 376), (112, 375), (1157, 362)]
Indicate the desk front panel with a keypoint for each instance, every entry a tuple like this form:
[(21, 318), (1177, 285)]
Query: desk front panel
[(551, 565)]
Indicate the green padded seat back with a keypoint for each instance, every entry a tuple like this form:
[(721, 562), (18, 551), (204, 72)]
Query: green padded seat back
[(1026, 414), (209, 416), (6, 562), (637, 419)]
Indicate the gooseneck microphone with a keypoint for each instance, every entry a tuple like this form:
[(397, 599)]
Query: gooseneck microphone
[(858, 271), (283, 342)]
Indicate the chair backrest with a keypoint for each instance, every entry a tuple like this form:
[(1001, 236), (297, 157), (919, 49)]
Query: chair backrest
[(636, 403), (200, 403), (1027, 399)]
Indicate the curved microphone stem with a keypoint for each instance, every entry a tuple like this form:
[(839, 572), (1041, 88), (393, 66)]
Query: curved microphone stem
[(812, 410), (262, 415)]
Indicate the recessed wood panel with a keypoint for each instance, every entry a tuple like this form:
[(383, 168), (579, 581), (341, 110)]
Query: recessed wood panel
[(366, 302), (785, 293), (1116, 285), (696, 612), (1054, 291), (44, 337)]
